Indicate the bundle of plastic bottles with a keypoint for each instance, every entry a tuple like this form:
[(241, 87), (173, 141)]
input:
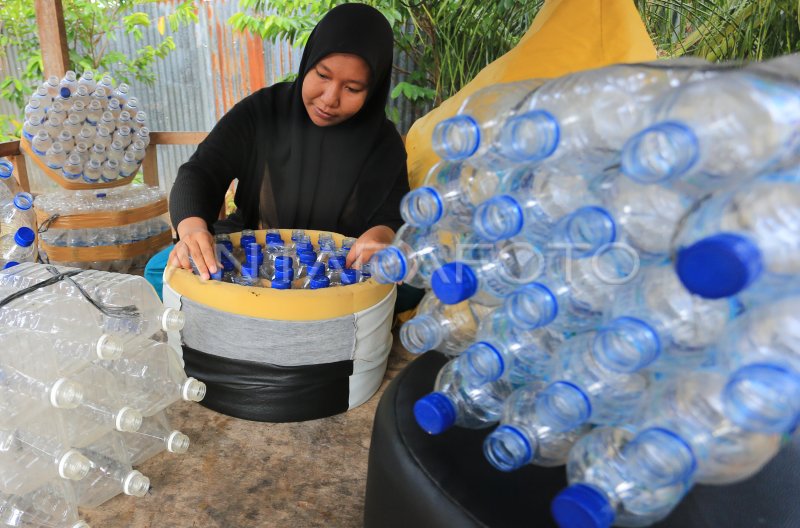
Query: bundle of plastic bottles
[(17, 220), (110, 201), (85, 378), (614, 258), (86, 130), (286, 265)]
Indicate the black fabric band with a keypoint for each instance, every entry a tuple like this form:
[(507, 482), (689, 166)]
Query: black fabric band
[(265, 392)]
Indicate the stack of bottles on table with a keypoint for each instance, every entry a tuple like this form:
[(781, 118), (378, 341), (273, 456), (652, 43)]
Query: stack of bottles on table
[(285, 265), (17, 220), (614, 258), (85, 378), (86, 130), (89, 202)]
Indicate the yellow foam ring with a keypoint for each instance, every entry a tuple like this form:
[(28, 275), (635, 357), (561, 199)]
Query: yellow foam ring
[(280, 305), (60, 180)]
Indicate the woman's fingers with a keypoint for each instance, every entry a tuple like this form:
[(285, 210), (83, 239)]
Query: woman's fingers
[(209, 255)]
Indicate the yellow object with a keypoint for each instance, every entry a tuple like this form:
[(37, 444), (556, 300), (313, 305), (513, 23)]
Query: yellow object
[(281, 305), (566, 36)]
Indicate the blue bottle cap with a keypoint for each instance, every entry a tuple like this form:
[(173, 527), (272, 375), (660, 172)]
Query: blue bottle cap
[(582, 506), (435, 413), (227, 265), (719, 266), (249, 270), (65, 92), (304, 246), (246, 240), (283, 262), (319, 282), (227, 244), (10, 264), (317, 270), (282, 284), (307, 257), (217, 275), (273, 237), (24, 236), (454, 282), (337, 263), (275, 242), (349, 276), (284, 274)]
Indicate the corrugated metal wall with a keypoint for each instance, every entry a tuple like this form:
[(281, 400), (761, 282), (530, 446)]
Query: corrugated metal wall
[(209, 71)]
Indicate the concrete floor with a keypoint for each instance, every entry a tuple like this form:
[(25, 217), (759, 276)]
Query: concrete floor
[(248, 474)]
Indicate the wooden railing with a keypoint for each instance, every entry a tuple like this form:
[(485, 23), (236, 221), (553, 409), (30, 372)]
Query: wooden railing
[(149, 163)]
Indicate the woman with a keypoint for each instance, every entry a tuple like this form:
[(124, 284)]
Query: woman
[(317, 153)]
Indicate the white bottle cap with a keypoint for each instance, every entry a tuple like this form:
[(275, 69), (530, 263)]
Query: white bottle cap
[(128, 420), (73, 465), (193, 390), (66, 394), (177, 442), (172, 320), (136, 484)]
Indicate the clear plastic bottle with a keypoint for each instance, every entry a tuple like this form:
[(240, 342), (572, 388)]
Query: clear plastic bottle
[(152, 438), (123, 135), (745, 241), (129, 165), (413, 256), (93, 170), (138, 150), (107, 84), (314, 271), (55, 156), (496, 271), (160, 384), (34, 108), (17, 213), (474, 132), (565, 121), (41, 142), (518, 354), (529, 433), (8, 184), (36, 454), (448, 197), (581, 374), (139, 121), (82, 95), (450, 329), (761, 350), (66, 140), (457, 401), (115, 151), (103, 136), (573, 294), (124, 119), (94, 112), (32, 126), (613, 480), (43, 97), (73, 124), (110, 171), (335, 266), (144, 135), (87, 80), (655, 319), (121, 93), (18, 247), (68, 84), (698, 147), (110, 474), (110, 288), (132, 105), (645, 216), (530, 202), (108, 120), (51, 506)]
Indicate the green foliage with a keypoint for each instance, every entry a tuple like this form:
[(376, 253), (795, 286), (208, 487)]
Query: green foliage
[(91, 28), (723, 29)]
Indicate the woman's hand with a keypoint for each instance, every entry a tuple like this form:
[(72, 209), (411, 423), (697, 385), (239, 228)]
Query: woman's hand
[(372, 241), (195, 242)]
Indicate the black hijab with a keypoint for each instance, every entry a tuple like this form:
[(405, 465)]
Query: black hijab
[(333, 178)]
